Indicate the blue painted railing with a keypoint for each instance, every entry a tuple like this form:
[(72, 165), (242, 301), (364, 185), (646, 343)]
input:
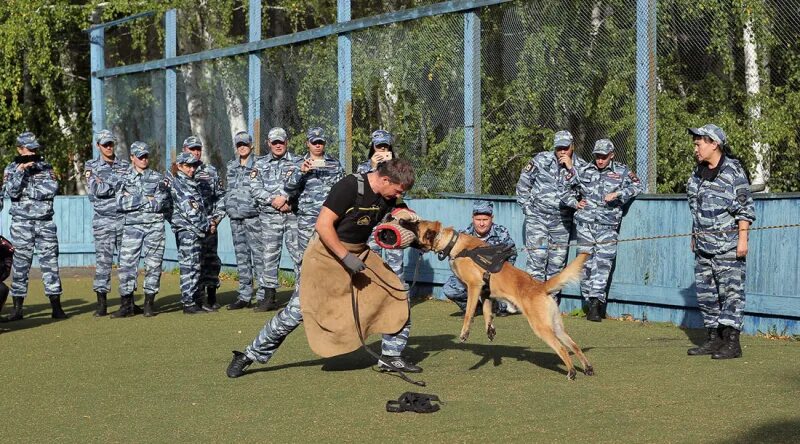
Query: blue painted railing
[(653, 279)]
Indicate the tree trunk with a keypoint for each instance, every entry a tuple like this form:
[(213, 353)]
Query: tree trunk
[(753, 86)]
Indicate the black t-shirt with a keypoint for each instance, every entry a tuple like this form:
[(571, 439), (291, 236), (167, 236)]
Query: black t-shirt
[(356, 219)]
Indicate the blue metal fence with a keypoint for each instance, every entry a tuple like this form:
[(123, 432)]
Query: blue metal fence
[(653, 279)]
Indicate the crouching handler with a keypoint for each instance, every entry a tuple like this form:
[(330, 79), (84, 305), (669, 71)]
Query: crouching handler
[(337, 264)]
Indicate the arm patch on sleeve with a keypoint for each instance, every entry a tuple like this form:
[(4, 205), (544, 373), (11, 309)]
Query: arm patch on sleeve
[(742, 195)]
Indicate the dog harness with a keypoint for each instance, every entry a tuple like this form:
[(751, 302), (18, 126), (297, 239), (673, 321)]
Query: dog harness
[(413, 402)]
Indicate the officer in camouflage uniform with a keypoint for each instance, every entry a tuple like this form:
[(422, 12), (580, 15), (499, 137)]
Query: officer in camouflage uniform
[(309, 186), (719, 200), (143, 198), (213, 193), (484, 228), (606, 187), (278, 222), (380, 150), (102, 175), (191, 223), (31, 185), (245, 227), (542, 190)]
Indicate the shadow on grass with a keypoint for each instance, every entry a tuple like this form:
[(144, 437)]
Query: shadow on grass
[(172, 303), (423, 347), (778, 431), (35, 315)]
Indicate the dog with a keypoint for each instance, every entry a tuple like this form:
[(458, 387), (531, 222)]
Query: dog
[(530, 296)]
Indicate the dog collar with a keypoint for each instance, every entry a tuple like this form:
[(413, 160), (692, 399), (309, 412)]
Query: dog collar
[(445, 253)]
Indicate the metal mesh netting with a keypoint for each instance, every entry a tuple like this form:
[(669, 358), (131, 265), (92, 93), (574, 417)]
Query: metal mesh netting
[(135, 112), (549, 66), (134, 42), (408, 79), (212, 104), (298, 92)]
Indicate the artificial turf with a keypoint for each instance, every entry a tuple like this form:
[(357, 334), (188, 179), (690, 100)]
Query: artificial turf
[(163, 379)]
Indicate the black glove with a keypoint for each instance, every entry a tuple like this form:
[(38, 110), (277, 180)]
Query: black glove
[(353, 263)]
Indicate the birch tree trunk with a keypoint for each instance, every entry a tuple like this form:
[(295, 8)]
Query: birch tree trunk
[(753, 87)]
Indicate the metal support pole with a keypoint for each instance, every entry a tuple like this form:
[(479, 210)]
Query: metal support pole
[(472, 102), (345, 74), (646, 93), (171, 91), (254, 78), (97, 62)]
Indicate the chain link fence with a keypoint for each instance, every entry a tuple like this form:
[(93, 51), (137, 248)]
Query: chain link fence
[(544, 66)]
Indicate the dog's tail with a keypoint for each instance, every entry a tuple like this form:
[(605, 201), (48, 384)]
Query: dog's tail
[(571, 273)]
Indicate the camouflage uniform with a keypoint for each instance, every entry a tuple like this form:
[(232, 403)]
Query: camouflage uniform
[(718, 202), (278, 228), (454, 289), (542, 190), (311, 189), (143, 197), (246, 229), (210, 185), (31, 192), (599, 220), (190, 223), (393, 258), (102, 179)]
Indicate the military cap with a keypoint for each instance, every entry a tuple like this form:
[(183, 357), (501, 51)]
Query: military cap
[(562, 138), (242, 137), (316, 134), (139, 149), (192, 141), (482, 207), (187, 159), (105, 136), (603, 146), (28, 140), (277, 134), (381, 137), (713, 131)]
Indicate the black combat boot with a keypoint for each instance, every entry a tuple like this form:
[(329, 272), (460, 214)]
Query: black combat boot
[(238, 364), (238, 304), (212, 298), (125, 307), (102, 304), (268, 303), (137, 310), (16, 313), (730, 348), (594, 310), (712, 344), (193, 309), (55, 304), (149, 300)]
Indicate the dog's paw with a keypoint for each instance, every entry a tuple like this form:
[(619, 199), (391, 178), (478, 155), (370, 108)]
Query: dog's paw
[(571, 374), (463, 337), (588, 371), (491, 332)]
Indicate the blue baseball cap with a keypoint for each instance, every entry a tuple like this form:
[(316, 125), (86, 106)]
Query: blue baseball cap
[(140, 149), (242, 137), (482, 207), (192, 142), (603, 146), (562, 138), (105, 136), (316, 134), (381, 137), (187, 159), (713, 131), (28, 140)]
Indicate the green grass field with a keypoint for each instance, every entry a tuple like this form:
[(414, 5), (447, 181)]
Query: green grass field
[(162, 380)]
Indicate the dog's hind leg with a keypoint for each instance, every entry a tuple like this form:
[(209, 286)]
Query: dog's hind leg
[(546, 333), (561, 334), (488, 318)]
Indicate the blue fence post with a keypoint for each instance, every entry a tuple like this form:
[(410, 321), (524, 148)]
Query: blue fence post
[(345, 74), (171, 91), (472, 102), (646, 93), (254, 77), (97, 62)]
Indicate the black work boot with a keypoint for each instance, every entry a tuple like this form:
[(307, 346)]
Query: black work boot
[(390, 363), (16, 313), (212, 298), (137, 310), (594, 310), (730, 348), (55, 304), (193, 309), (102, 304), (712, 344), (125, 307), (238, 304), (268, 303), (149, 300), (238, 364)]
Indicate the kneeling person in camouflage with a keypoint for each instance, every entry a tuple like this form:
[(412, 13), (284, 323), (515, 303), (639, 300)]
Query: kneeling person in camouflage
[(142, 198)]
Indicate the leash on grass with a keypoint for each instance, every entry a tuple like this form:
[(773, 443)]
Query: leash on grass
[(401, 374), (663, 236)]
